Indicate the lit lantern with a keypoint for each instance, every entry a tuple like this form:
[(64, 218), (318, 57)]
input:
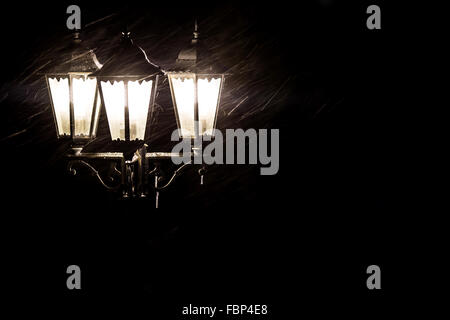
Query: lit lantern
[(196, 86), (128, 83), (73, 92)]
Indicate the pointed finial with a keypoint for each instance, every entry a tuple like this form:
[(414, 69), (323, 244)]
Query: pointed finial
[(76, 36), (125, 32), (125, 36), (196, 33)]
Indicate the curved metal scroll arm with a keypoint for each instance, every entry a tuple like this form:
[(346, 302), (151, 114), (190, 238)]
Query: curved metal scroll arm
[(176, 173), (94, 171)]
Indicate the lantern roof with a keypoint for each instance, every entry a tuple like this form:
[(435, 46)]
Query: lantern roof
[(196, 58), (129, 60), (75, 58)]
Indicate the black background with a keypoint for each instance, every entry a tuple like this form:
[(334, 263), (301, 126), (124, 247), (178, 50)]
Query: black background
[(299, 241)]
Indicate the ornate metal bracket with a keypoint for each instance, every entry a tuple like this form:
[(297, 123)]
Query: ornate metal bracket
[(95, 172), (134, 173)]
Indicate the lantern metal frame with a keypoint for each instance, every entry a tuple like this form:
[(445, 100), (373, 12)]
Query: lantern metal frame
[(195, 77), (195, 62), (117, 69), (76, 62), (96, 106), (126, 80)]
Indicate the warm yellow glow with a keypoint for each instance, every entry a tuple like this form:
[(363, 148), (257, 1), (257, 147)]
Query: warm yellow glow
[(183, 89), (97, 113), (114, 98), (59, 90), (138, 104), (208, 98), (83, 103), (208, 91)]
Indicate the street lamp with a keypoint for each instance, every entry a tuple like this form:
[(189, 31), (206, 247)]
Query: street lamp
[(126, 85), (128, 82), (73, 92), (196, 86)]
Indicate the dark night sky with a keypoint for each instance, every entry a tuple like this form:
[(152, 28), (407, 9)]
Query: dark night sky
[(306, 234)]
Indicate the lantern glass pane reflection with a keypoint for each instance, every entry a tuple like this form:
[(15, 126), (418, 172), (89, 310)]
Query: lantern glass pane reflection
[(183, 90), (83, 104), (208, 100), (83, 99), (138, 104), (59, 89), (208, 90), (115, 97)]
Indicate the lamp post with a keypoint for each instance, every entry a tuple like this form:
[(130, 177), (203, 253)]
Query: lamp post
[(73, 92), (126, 85)]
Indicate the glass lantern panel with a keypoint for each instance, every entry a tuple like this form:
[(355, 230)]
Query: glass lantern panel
[(97, 113), (114, 98), (83, 104), (208, 100), (138, 104), (59, 90), (183, 89)]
